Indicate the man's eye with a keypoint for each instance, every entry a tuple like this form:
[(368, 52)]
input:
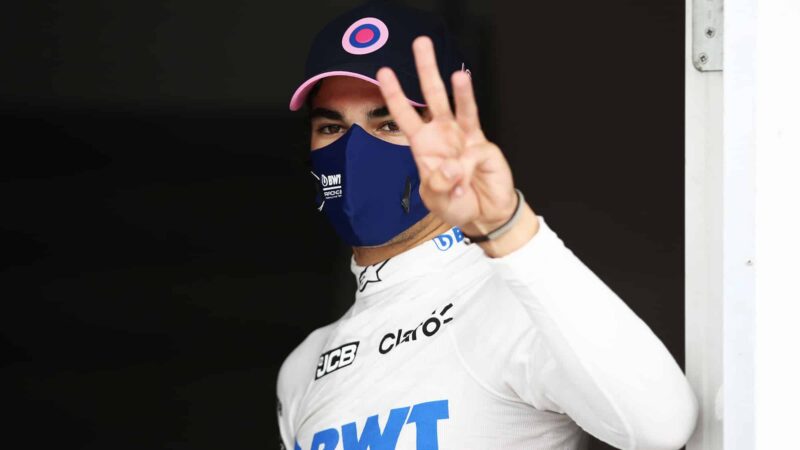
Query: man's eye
[(390, 126), (330, 129)]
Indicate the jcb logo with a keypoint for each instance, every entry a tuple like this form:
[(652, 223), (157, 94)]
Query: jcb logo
[(337, 358)]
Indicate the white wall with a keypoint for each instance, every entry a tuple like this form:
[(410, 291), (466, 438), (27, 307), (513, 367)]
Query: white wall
[(777, 259), (743, 230), (703, 256)]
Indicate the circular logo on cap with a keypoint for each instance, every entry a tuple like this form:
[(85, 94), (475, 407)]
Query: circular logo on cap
[(365, 36)]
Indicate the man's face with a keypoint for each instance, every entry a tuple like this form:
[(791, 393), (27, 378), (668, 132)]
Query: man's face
[(343, 101)]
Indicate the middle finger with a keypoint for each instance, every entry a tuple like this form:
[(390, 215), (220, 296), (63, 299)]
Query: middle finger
[(429, 78)]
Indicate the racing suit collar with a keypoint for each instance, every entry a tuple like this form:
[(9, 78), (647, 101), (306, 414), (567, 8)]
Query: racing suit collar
[(430, 257)]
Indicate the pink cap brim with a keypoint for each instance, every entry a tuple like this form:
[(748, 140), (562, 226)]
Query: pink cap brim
[(301, 93)]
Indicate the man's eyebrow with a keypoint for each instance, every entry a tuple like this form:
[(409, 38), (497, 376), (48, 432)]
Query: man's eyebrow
[(326, 113), (383, 111), (376, 113)]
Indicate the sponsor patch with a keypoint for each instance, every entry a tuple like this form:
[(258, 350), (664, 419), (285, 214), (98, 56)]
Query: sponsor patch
[(370, 274), (426, 328), (335, 359), (446, 241)]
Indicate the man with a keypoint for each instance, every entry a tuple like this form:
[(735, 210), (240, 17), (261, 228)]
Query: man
[(473, 326)]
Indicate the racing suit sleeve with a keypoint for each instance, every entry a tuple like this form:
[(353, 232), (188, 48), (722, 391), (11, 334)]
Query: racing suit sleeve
[(603, 366), (284, 426)]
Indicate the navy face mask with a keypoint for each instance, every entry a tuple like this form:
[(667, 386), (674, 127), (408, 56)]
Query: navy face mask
[(368, 188)]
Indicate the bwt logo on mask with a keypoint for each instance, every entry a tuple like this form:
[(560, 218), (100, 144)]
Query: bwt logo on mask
[(446, 241), (331, 185), (424, 417)]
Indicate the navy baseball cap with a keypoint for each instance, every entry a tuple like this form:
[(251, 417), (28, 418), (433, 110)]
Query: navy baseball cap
[(376, 34)]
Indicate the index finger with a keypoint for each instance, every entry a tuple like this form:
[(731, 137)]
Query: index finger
[(399, 106)]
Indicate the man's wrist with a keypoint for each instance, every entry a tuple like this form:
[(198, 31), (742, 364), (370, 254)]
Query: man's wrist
[(518, 235), (504, 209), (494, 230)]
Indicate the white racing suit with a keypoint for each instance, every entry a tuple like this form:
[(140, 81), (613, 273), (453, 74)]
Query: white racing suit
[(446, 348)]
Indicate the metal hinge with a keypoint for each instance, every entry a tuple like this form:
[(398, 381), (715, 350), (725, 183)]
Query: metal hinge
[(707, 25)]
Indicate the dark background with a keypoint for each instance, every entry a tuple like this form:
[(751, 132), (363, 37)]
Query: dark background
[(159, 249)]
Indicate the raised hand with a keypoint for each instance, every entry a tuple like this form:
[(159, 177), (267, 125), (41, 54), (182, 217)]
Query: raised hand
[(465, 179)]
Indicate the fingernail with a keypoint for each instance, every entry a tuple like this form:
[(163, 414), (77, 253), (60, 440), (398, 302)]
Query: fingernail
[(458, 191)]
